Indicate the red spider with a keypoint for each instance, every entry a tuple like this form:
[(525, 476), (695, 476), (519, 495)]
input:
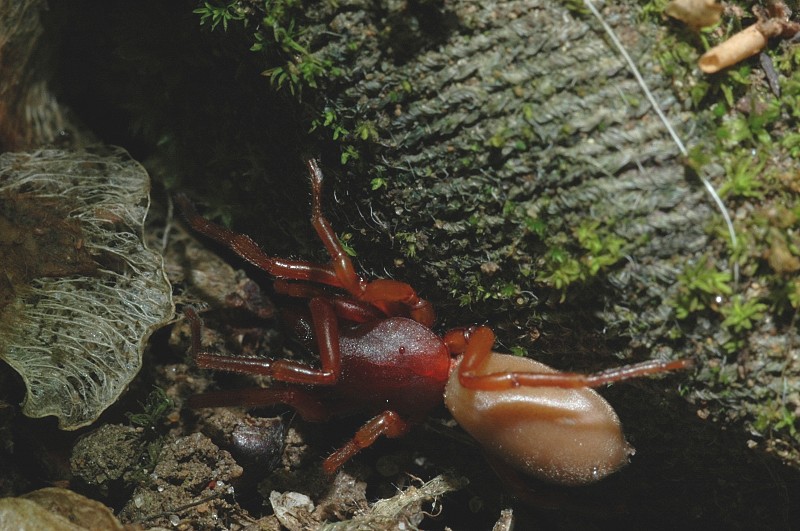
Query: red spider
[(378, 354)]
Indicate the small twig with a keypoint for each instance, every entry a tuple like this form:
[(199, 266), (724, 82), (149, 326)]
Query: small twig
[(180, 509)]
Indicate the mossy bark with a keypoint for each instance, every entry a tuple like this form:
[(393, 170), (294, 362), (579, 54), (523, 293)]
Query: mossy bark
[(524, 181), (500, 143)]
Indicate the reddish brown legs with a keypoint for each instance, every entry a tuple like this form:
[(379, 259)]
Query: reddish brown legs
[(348, 309), (385, 294), (479, 344), (327, 334), (387, 423), (390, 296), (304, 402), (246, 248), (340, 261)]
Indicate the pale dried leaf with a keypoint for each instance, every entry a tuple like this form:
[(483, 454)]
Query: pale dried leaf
[(75, 328)]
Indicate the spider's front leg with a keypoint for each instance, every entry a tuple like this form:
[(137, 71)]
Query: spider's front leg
[(390, 296), (326, 331), (478, 349)]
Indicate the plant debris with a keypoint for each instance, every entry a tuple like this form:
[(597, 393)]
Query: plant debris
[(80, 293)]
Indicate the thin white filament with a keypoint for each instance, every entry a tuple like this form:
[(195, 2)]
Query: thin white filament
[(681, 147)]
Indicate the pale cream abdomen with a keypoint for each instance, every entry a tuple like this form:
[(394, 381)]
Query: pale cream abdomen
[(566, 436)]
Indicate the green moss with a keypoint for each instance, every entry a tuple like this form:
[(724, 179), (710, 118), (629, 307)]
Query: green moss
[(590, 249), (749, 151), (278, 36), (409, 242), (154, 410), (220, 12), (775, 416), (741, 313), (744, 176), (701, 285), (278, 33)]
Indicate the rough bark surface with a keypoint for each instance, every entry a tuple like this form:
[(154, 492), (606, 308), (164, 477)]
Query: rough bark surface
[(518, 150), (520, 128)]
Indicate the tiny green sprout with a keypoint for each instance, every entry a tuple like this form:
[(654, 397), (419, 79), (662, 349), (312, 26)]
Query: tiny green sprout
[(216, 12), (727, 93), (155, 408), (761, 424), (518, 351), (787, 420), (497, 140), (349, 153), (329, 119), (563, 269), (699, 284), (366, 131), (776, 417), (344, 239), (740, 313), (508, 290), (258, 45), (604, 248), (377, 183), (741, 75), (409, 239), (744, 176), (536, 226)]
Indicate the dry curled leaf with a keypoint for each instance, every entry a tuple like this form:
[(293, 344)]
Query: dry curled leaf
[(56, 510), (80, 293)]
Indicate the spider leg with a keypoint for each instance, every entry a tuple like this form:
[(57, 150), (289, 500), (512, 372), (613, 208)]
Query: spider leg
[(390, 296), (345, 308), (479, 344), (246, 248), (303, 401), (388, 423), (341, 264), (326, 331)]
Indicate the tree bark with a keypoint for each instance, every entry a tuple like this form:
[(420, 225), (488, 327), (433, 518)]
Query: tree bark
[(529, 184)]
